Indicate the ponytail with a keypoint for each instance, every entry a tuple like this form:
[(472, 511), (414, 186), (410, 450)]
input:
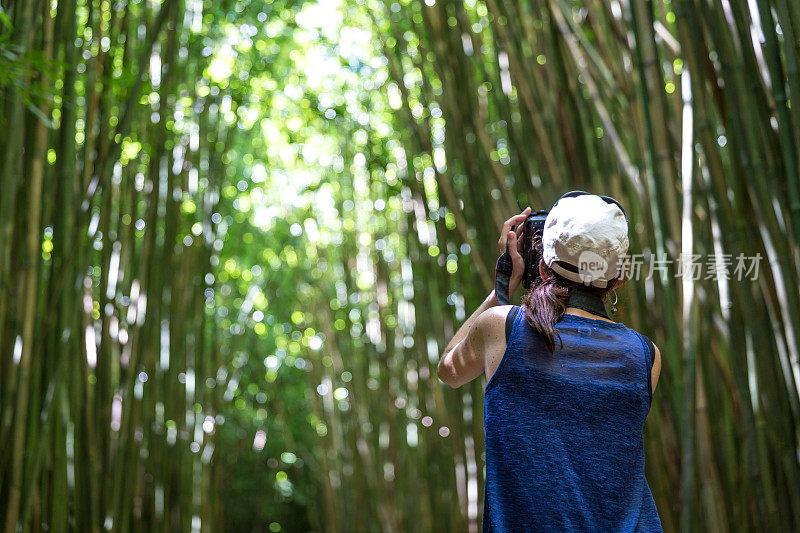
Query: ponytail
[(547, 301)]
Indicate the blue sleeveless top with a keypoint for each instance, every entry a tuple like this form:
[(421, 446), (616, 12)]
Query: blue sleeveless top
[(564, 443)]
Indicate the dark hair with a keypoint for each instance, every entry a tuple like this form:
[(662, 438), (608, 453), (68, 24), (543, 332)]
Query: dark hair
[(546, 302)]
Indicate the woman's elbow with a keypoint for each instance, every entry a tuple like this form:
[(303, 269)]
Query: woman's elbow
[(445, 373)]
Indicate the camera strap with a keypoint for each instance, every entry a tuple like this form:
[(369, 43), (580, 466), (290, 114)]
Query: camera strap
[(587, 301), (502, 277)]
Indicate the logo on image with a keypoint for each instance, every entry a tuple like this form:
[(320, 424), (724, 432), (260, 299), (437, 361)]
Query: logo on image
[(591, 266)]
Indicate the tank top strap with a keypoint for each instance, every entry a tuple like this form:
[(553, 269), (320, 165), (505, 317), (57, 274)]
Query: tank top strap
[(510, 318), (518, 335), (513, 345), (649, 352)]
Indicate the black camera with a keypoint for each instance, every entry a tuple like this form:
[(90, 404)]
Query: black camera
[(532, 230)]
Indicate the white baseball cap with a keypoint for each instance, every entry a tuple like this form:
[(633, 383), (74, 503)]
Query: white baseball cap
[(585, 238)]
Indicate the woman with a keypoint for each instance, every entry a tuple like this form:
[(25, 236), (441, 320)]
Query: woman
[(568, 390)]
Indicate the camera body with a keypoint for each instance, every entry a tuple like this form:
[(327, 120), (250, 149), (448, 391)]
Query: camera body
[(532, 229)]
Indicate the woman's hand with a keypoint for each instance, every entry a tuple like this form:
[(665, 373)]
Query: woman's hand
[(512, 234)]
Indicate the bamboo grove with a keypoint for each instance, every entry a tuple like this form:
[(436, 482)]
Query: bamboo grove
[(236, 235)]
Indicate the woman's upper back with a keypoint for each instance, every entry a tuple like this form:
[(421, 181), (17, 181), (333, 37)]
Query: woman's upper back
[(595, 352), (564, 445)]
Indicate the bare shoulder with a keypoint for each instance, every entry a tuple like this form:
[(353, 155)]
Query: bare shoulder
[(493, 325), (656, 367), (495, 315)]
